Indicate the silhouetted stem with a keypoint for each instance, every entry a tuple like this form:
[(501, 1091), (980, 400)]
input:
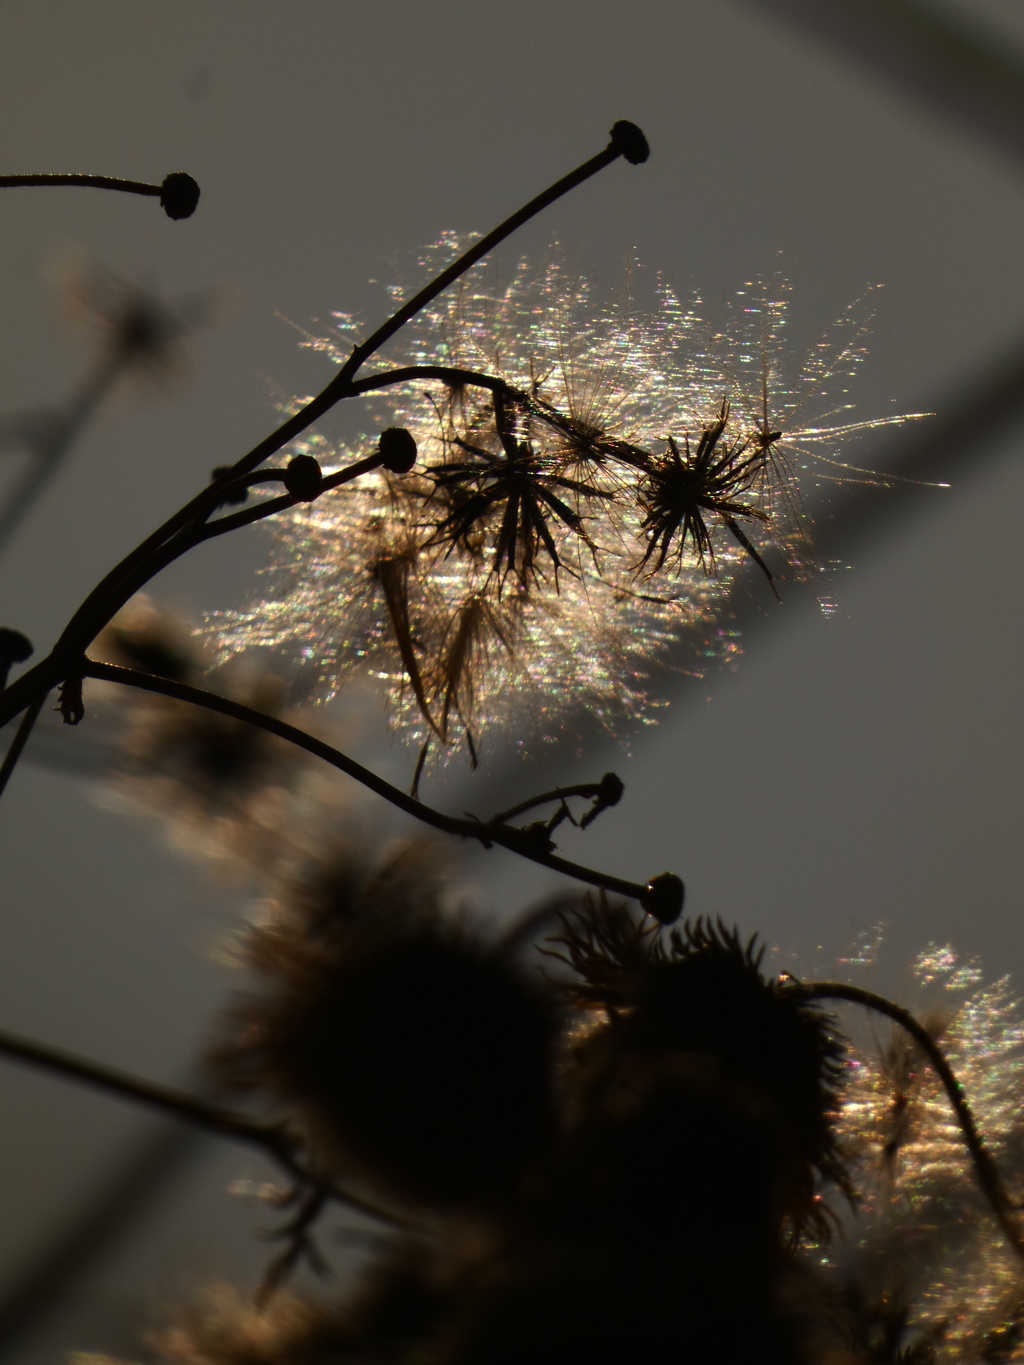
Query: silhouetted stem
[(98, 182), (270, 1138), (20, 739), (984, 1166), (485, 833), (136, 569), (469, 258), (281, 504), (196, 1112)]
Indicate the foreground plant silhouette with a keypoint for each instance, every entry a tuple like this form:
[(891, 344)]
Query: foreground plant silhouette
[(621, 1158)]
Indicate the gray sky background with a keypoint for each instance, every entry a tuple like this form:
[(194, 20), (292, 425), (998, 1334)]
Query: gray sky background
[(854, 769)]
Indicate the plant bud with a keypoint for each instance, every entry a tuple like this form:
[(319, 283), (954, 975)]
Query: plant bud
[(663, 898), (398, 449), (303, 478), (179, 195), (629, 142)]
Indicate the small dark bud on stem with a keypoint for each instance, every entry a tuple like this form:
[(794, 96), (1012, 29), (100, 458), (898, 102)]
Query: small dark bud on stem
[(179, 195), (303, 478), (629, 142), (15, 648), (663, 898), (398, 449), (235, 496), (609, 793)]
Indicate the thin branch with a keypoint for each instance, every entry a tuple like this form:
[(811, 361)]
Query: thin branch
[(114, 1202), (516, 841), (99, 182), (268, 509), (19, 741), (223, 1122), (296, 1234), (984, 1166), (139, 566), (468, 259), (272, 1139), (447, 374), (178, 193)]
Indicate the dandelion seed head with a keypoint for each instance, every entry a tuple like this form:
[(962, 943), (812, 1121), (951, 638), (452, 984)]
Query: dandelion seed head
[(532, 568)]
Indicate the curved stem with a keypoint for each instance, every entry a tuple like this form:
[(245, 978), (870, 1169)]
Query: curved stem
[(516, 841), (447, 374), (99, 182), (468, 259), (137, 567), (984, 1166), (281, 504)]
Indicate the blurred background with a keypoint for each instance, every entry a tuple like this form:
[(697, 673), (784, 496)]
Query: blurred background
[(852, 769)]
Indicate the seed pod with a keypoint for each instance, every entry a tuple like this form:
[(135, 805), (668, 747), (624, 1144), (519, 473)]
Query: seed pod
[(663, 898), (398, 449), (629, 142), (303, 478), (179, 195), (414, 1055)]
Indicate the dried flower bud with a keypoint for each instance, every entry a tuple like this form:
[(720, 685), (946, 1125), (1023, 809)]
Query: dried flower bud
[(179, 195), (629, 142), (303, 478), (398, 449), (663, 898)]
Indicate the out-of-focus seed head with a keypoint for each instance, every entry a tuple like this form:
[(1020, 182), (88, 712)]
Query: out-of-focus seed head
[(695, 1026), (416, 1057), (153, 640)]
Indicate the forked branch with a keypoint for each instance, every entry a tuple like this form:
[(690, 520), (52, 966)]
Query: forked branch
[(158, 549)]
